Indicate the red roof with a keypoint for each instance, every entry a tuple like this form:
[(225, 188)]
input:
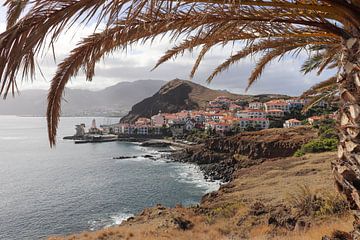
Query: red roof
[(275, 110), (293, 120), (316, 117), (276, 102), (254, 119), (252, 110)]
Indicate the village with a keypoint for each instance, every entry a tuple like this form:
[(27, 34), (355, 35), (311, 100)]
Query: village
[(221, 116)]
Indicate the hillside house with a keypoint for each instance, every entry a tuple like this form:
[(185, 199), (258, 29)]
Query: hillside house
[(251, 113), (259, 123), (277, 105), (256, 105), (292, 123), (275, 113), (315, 119), (234, 107)]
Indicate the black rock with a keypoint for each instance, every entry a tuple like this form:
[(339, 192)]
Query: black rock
[(124, 157)]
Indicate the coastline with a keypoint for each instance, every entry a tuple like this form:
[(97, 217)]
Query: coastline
[(191, 172), (252, 203), (215, 167)]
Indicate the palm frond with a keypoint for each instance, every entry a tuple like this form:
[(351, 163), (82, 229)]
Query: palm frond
[(15, 8), (322, 91), (329, 84)]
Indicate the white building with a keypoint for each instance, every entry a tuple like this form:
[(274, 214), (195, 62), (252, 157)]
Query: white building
[(315, 119), (218, 127), (256, 105), (216, 117), (292, 123), (261, 123), (189, 124), (296, 103), (126, 129), (275, 113), (80, 130), (277, 105), (234, 107), (251, 113), (142, 130)]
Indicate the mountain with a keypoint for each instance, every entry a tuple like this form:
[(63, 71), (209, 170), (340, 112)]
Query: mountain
[(178, 95), (112, 101)]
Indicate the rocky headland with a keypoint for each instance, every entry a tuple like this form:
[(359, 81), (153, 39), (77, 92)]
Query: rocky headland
[(220, 157)]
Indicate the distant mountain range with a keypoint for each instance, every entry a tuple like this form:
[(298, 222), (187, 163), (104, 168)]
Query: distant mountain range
[(177, 95), (116, 100)]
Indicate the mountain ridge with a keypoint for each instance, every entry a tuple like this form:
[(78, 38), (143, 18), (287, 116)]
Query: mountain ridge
[(115, 100)]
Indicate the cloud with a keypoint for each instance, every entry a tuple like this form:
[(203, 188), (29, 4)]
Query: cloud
[(136, 63)]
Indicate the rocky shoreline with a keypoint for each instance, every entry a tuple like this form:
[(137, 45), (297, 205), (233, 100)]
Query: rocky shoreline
[(219, 158), (214, 166)]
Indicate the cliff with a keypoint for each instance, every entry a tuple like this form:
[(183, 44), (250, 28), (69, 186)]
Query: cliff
[(269, 143), (218, 158)]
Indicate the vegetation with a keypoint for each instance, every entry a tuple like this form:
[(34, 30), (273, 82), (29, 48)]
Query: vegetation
[(198, 136), (314, 204), (327, 140), (320, 145)]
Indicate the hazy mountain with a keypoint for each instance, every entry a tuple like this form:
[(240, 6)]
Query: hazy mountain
[(116, 100)]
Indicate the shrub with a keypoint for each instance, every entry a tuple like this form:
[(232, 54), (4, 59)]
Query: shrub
[(328, 133), (313, 204), (320, 145), (299, 153), (317, 146), (305, 201)]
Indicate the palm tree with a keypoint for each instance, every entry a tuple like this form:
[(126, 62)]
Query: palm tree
[(268, 28)]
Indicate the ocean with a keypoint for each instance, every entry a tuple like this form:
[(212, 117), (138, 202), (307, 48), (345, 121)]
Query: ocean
[(77, 187)]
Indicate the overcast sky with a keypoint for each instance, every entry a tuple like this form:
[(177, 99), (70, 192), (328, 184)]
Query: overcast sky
[(280, 77)]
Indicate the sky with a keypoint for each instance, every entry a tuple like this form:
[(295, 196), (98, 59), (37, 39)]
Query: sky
[(280, 76)]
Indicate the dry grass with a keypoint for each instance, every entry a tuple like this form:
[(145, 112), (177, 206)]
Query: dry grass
[(314, 233)]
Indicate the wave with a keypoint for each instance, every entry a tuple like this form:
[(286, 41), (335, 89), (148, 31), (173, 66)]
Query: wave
[(118, 219), (109, 221), (191, 173)]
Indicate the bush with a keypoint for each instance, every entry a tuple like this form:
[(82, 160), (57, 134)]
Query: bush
[(320, 145), (299, 153), (328, 133), (317, 146), (313, 204)]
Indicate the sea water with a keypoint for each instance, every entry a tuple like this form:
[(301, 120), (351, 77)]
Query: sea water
[(77, 187)]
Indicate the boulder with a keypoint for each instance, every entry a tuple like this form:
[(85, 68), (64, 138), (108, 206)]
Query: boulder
[(182, 223)]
